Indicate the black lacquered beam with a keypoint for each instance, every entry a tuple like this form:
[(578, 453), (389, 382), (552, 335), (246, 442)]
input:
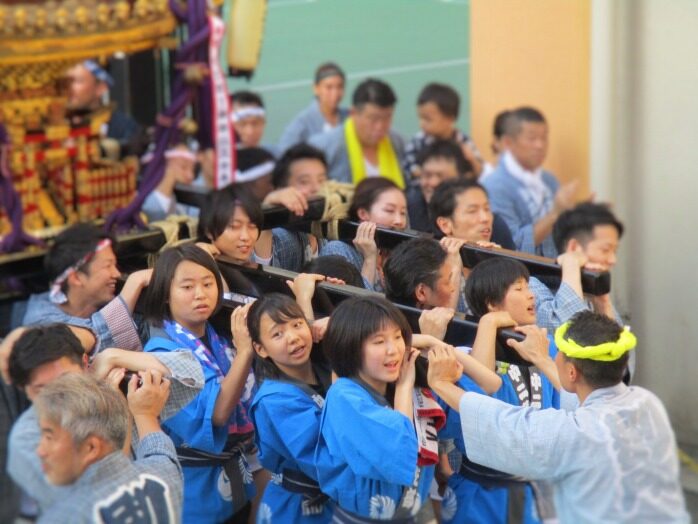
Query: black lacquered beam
[(593, 282), (255, 281), (129, 246), (191, 195)]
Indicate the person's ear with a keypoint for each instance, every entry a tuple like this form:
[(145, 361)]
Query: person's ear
[(259, 349), (363, 214), (92, 450), (491, 307), (445, 224), (572, 245), (421, 293), (74, 280)]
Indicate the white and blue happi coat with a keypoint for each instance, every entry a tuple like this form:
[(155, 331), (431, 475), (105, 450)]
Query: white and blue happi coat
[(366, 457)]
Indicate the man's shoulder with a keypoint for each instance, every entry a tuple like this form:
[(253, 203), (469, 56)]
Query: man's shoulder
[(499, 180)]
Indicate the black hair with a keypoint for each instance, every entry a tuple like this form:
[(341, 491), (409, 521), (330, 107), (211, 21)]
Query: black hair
[(591, 329), (514, 121), (373, 91), (302, 151), (280, 308), (367, 192), (70, 246), (580, 221), (444, 200), (448, 150), (499, 124), (417, 261), (444, 96), (220, 207), (489, 280), (247, 98), (352, 323), (335, 266), (327, 70), (42, 345), (156, 306)]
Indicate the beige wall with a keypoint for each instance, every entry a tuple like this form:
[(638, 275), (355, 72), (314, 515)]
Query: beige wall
[(534, 52)]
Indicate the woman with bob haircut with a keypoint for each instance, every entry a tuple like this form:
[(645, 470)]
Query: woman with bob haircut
[(213, 434), (293, 380), (376, 202), (231, 223)]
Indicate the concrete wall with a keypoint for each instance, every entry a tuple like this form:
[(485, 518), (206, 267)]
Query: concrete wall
[(651, 173), (618, 81)]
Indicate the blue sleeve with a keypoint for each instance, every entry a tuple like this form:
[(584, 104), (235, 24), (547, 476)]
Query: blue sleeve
[(364, 433), (553, 310), (193, 425), (344, 250), (287, 430), (295, 133), (504, 204), (288, 249)]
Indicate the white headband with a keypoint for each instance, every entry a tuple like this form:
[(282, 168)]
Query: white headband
[(247, 112), (254, 172), (180, 153)]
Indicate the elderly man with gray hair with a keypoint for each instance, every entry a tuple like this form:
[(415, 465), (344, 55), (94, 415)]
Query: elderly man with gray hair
[(84, 431)]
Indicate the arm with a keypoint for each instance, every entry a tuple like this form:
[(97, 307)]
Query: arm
[(452, 247), (120, 358), (303, 287), (564, 200), (435, 321), (135, 283), (147, 400), (233, 383), (405, 384), (534, 348), (553, 310), (486, 336), (365, 243)]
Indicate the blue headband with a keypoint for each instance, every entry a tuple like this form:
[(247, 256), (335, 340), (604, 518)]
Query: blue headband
[(98, 72)]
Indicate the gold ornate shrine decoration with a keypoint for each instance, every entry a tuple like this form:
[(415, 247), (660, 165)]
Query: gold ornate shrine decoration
[(37, 31)]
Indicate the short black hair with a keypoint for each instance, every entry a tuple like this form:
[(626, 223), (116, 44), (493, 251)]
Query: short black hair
[(220, 207), (489, 280), (352, 323), (335, 266), (448, 150), (499, 124), (327, 70), (367, 192), (444, 200), (280, 308), (580, 221), (41, 345), (156, 306), (514, 121), (247, 98), (591, 329), (417, 261), (373, 91), (444, 96), (70, 246), (302, 151)]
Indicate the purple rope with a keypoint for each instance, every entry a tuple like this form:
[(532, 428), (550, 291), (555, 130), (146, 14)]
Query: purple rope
[(194, 50), (17, 239)]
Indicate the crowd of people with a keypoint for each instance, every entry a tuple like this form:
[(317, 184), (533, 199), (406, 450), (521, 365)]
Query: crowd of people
[(145, 410)]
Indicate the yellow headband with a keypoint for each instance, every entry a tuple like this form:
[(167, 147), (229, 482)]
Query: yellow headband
[(606, 352)]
